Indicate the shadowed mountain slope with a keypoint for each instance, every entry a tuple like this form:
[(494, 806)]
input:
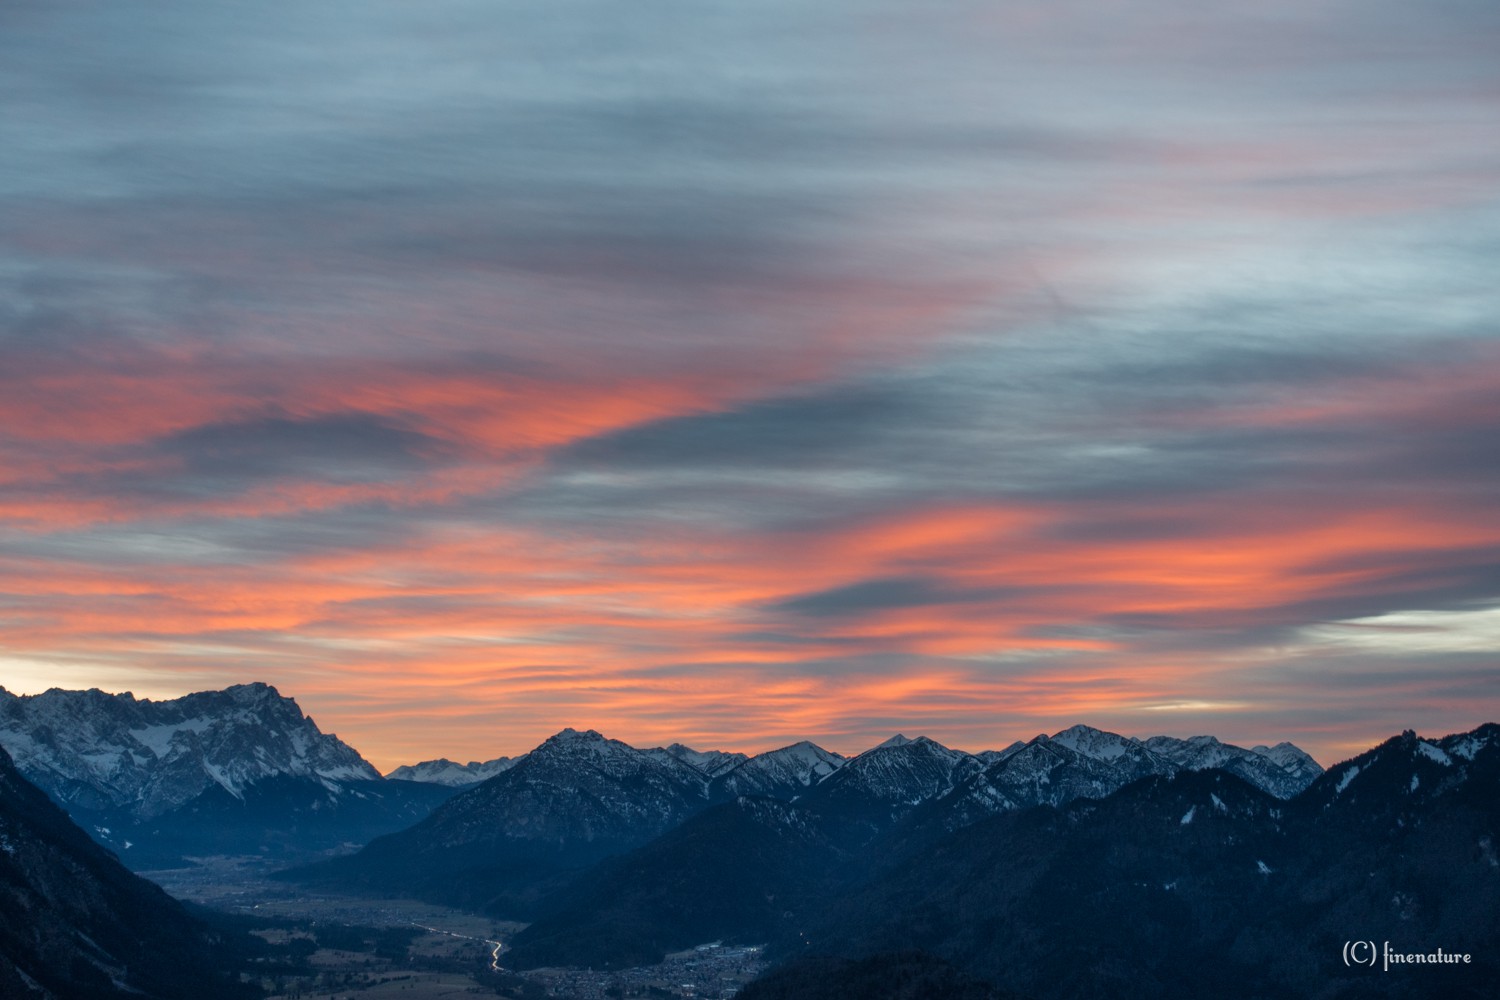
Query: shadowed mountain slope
[(74, 923)]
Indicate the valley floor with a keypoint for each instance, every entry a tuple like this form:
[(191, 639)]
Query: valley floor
[(453, 957)]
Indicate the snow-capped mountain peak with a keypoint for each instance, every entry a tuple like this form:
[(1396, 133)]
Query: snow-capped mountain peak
[(100, 751), (1283, 770), (570, 751), (1096, 743), (1289, 757), (782, 773), (895, 776)]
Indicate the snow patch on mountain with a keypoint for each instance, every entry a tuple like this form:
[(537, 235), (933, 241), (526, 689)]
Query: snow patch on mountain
[(1434, 753)]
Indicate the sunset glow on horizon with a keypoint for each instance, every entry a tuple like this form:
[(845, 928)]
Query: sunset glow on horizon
[(735, 376)]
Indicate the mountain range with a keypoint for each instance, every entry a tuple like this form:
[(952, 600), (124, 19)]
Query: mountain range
[(1078, 864), (512, 845), (1199, 884), (243, 770)]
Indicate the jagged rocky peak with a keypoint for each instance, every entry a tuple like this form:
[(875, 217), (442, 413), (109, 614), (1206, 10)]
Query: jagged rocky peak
[(1283, 770), (100, 751), (903, 773), (1097, 743), (1290, 757), (1469, 745), (782, 773), (899, 740), (822, 761), (572, 750), (571, 742), (573, 739)]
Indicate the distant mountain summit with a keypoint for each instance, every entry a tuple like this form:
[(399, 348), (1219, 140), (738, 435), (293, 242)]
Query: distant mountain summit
[(887, 781), (98, 751), (1084, 762), (576, 798), (1283, 770), (450, 773), (779, 774), (711, 762)]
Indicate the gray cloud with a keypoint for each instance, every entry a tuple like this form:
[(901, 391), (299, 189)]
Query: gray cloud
[(786, 432), (338, 447), (869, 596)]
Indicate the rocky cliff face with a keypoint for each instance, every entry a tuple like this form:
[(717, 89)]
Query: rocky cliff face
[(96, 751)]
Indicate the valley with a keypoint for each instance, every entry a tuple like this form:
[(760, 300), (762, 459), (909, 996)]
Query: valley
[(456, 953)]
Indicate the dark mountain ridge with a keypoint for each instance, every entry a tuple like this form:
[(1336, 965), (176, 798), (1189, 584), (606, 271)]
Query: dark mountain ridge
[(74, 923), (1198, 884), (580, 798), (574, 800)]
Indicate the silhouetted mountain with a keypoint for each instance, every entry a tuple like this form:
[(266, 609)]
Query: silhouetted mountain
[(1181, 883), (74, 923), (1197, 884), (1077, 763), (521, 844), (575, 799), (677, 891)]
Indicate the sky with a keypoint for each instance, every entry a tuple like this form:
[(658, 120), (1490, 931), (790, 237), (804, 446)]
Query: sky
[(737, 373)]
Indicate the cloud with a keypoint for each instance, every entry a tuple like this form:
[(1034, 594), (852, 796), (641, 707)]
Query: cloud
[(871, 596), (337, 446), (744, 373)]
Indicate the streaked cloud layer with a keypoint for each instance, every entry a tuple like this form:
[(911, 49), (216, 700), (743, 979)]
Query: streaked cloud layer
[(741, 373)]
